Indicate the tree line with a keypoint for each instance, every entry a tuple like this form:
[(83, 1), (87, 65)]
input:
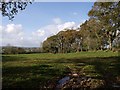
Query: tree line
[(19, 50), (100, 32)]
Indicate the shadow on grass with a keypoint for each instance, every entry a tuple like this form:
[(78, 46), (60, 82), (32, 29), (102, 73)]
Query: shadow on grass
[(12, 58), (107, 67), (30, 77), (91, 60), (38, 75)]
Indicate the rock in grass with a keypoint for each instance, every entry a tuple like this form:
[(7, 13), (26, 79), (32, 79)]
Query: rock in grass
[(89, 79), (75, 75)]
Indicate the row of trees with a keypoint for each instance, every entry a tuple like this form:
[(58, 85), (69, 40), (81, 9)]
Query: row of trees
[(19, 50), (12, 50), (101, 31), (64, 41)]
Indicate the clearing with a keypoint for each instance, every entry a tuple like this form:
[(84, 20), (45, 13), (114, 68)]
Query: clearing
[(45, 70)]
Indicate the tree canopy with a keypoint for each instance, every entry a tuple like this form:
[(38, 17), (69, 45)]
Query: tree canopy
[(101, 31), (108, 13)]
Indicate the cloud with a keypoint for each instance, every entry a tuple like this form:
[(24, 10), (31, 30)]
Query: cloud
[(14, 29), (1, 35), (53, 29), (67, 25), (57, 20), (11, 34), (15, 34), (45, 32), (75, 13), (1, 28), (39, 33)]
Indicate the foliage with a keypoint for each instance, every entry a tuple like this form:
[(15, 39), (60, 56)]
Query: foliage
[(19, 50), (101, 31), (12, 50), (108, 13), (64, 42), (93, 35), (11, 7)]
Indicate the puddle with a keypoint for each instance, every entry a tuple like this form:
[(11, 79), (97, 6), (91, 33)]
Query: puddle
[(115, 85), (63, 81)]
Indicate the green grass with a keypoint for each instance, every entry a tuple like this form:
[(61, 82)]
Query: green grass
[(39, 70)]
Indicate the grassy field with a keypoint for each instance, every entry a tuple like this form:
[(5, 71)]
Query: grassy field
[(40, 70)]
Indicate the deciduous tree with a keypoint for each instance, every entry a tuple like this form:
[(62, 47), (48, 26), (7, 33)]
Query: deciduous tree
[(109, 14)]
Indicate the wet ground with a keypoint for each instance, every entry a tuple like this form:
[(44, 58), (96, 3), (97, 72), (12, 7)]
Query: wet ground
[(84, 83), (75, 81)]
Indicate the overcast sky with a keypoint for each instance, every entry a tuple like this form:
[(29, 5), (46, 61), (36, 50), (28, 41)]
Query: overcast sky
[(41, 20)]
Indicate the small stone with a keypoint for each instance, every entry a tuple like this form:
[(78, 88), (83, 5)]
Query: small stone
[(84, 78), (75, 75), (89, 79), (71, 79), (81, 83), (69, 74), (73, 82)]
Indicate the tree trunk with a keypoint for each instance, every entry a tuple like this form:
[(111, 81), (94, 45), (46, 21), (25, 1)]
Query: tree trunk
[(110, 42)]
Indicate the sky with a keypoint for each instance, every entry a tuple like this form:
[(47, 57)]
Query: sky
[(40, 20)]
